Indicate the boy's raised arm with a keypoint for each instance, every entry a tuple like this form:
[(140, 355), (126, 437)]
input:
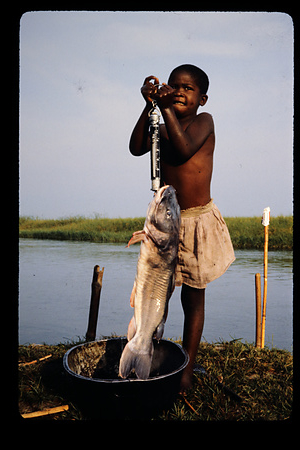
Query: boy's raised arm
[(139, 143), (185, 143)]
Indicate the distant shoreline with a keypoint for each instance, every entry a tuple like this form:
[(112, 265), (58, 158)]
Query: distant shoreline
[(245, 232)]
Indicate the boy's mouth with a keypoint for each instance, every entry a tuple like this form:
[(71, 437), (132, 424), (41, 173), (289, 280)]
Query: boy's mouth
[(178, 102)]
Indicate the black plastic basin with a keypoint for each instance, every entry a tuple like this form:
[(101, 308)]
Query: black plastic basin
[(93, 368)]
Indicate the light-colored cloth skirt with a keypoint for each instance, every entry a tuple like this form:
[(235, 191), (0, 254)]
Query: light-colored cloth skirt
[(205, 247)]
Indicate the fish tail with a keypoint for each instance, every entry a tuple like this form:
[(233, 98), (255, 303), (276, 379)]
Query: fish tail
[(140, 362)]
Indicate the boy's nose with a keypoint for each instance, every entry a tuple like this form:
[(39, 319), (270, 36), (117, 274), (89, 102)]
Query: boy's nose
[(177, 93)]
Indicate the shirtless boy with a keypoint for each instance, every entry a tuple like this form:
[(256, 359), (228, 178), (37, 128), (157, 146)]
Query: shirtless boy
[(187, 145)]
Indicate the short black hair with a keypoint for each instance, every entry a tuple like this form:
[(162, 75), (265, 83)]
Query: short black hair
[(200, 76)]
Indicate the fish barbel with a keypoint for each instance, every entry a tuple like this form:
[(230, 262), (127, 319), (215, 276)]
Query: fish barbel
[(154, 281)]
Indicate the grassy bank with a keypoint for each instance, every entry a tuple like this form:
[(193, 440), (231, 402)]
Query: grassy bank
[(80, 229), (246, 232), (263, 379)]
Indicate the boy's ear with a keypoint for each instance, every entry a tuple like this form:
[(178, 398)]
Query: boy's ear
[(203, 99)]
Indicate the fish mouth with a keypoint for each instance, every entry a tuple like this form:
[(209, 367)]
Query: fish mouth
[(165, 193), (162, 189), (160, 194)]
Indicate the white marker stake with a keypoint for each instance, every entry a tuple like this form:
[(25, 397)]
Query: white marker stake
[(265, 222)]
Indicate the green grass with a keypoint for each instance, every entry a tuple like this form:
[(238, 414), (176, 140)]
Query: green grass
[(80, 229), (248, 232), (263, 379), (245, 232)]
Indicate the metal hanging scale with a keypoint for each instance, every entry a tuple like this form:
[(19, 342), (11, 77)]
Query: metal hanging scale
[(154, 118)]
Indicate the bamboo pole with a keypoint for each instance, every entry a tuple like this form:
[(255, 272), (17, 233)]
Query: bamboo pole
[(263, 322), (35, 361), (258, 310), (94, 305), (45, 412)]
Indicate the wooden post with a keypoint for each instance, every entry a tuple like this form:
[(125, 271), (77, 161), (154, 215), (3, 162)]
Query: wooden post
[(258, 310), (94, 305), (263, 322)]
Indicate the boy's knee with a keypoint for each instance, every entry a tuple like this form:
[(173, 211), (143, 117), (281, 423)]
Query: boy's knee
[(191, 296)]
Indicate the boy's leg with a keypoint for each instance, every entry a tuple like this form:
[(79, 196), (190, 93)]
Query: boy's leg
[(192, 301)]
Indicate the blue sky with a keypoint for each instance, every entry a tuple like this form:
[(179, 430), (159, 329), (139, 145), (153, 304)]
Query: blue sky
[(80, 80)]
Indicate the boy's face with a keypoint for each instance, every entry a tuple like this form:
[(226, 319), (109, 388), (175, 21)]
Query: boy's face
[(187, 96)]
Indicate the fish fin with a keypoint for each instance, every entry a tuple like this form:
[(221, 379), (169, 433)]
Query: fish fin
[(140, 362), (132, 296), (137, 236), (131, 329), (161, 327), (172, 286), (160, 330)]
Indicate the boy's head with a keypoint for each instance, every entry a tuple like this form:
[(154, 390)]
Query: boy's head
[(200, 77)]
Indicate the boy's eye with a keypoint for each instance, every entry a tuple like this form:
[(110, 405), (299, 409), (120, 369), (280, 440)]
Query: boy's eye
[(186, 88)]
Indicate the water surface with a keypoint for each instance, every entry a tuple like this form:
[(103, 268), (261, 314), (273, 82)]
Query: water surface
[(55, 287)]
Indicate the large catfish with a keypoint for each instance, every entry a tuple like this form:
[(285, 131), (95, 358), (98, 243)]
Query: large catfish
[(154, 281)]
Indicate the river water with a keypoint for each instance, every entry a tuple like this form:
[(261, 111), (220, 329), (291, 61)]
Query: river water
[(55, 286)]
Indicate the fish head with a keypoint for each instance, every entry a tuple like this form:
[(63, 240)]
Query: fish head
[(163, 216), (166, 212)]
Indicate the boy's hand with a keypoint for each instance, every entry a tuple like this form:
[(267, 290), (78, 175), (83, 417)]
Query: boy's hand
[(164, 96), (148, 89)]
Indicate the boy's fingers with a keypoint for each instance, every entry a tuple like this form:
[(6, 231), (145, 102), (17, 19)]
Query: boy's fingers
[(165, 89), (151, 77)]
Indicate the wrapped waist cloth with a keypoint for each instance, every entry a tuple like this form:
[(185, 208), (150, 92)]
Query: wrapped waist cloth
[(205, 248), (197, 210)]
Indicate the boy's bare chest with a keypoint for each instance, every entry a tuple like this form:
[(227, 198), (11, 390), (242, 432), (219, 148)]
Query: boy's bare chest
[(168, 155), (200, 158)]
